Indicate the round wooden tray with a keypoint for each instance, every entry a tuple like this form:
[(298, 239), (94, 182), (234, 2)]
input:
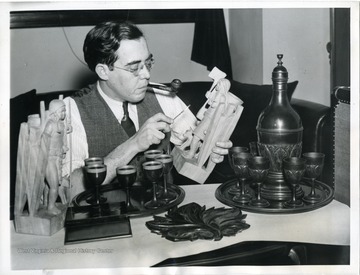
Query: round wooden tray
[(326, 192), (115, 200)]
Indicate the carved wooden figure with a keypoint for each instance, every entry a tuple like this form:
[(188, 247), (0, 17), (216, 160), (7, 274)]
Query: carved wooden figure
[(42, 146), (217, 120)]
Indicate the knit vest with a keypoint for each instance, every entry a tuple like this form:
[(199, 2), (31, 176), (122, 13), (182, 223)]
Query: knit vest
[(103, 130)]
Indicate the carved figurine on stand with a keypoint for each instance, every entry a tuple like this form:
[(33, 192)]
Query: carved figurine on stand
[(55, 140), (217, 120), (42, 146)]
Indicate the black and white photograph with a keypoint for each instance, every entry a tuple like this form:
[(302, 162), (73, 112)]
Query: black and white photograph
[(202, 137)]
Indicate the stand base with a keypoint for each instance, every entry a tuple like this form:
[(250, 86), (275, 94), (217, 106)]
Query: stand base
[(190, 168), (100, 231), (43, 223), (100, 222)]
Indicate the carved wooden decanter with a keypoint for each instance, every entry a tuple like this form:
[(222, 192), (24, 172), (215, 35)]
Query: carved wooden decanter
[(279, 132)]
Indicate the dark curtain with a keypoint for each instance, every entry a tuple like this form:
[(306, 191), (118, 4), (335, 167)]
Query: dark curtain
[(210, 46)]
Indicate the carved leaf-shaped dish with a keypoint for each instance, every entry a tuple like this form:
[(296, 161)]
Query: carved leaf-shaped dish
[(192, 222)]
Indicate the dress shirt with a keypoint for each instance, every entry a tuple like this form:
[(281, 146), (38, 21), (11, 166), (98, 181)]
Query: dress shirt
[(77, 140)]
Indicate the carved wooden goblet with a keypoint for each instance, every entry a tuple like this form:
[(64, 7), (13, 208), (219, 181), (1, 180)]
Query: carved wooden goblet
[(235, 189), (149, 156), (126, 176), (241, 170), (152, 154), (258, 170), (294, 169), (314, 166), (89, 162), (253, 148), (94, 160), (96, 175), (153, 171), (167, 161)]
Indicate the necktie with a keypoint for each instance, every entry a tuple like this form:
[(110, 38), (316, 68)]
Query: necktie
[(126, 122)]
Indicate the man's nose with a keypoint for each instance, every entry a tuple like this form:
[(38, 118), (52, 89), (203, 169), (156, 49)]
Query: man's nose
[(144, 73)]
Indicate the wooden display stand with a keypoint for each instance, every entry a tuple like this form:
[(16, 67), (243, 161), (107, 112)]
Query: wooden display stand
[(42, 223), (42, 145), (218, 118)]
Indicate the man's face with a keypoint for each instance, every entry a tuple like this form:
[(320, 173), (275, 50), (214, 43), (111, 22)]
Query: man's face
[(122, 84)]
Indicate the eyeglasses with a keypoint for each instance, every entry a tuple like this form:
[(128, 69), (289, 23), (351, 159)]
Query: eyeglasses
[(136, 68)]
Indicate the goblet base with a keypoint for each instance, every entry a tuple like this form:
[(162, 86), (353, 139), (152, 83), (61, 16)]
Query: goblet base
[(259, 203), (236, 190), (242, 198), (312, 198), (293, 204), (154, 204), (167, 197), (92, 200)]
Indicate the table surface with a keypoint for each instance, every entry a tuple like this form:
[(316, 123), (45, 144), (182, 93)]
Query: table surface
[(327, 225)]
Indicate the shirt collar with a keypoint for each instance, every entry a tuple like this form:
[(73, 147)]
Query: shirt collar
[(107, 99)]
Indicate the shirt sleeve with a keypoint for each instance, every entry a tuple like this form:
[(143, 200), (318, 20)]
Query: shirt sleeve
[(77, 154)]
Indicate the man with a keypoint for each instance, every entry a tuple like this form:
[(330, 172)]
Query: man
[(119, 54)]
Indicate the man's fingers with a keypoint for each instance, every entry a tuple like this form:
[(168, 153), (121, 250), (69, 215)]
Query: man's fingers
[(220, 151), (217, 158), (157, 135), (153, 136), (162, 126), (161, 117), (224, 144)]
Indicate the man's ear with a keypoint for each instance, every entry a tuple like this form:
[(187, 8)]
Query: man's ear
[(102, 70)]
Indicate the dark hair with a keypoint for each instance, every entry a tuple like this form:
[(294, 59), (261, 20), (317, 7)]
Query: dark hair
[(104, 39)]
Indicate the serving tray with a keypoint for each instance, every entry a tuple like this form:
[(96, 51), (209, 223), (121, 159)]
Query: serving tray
[(110, 219), (114, 203), (326, 192)]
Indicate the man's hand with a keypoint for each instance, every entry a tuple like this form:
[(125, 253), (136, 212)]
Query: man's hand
[(152, 132), (220, 150)]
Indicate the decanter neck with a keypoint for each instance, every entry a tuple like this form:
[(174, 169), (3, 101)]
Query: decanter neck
[(279, 95)]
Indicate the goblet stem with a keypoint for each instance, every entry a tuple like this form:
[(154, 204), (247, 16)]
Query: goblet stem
[(166, 195), (259, 190), (312, 198), (165, 185), (235, 189), (294, 193), (242, 197), (312, 192), (242, 186), (97, 194), (154, 192), (128, 201)]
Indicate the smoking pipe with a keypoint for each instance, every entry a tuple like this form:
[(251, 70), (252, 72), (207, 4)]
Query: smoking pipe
[(174, 87)]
